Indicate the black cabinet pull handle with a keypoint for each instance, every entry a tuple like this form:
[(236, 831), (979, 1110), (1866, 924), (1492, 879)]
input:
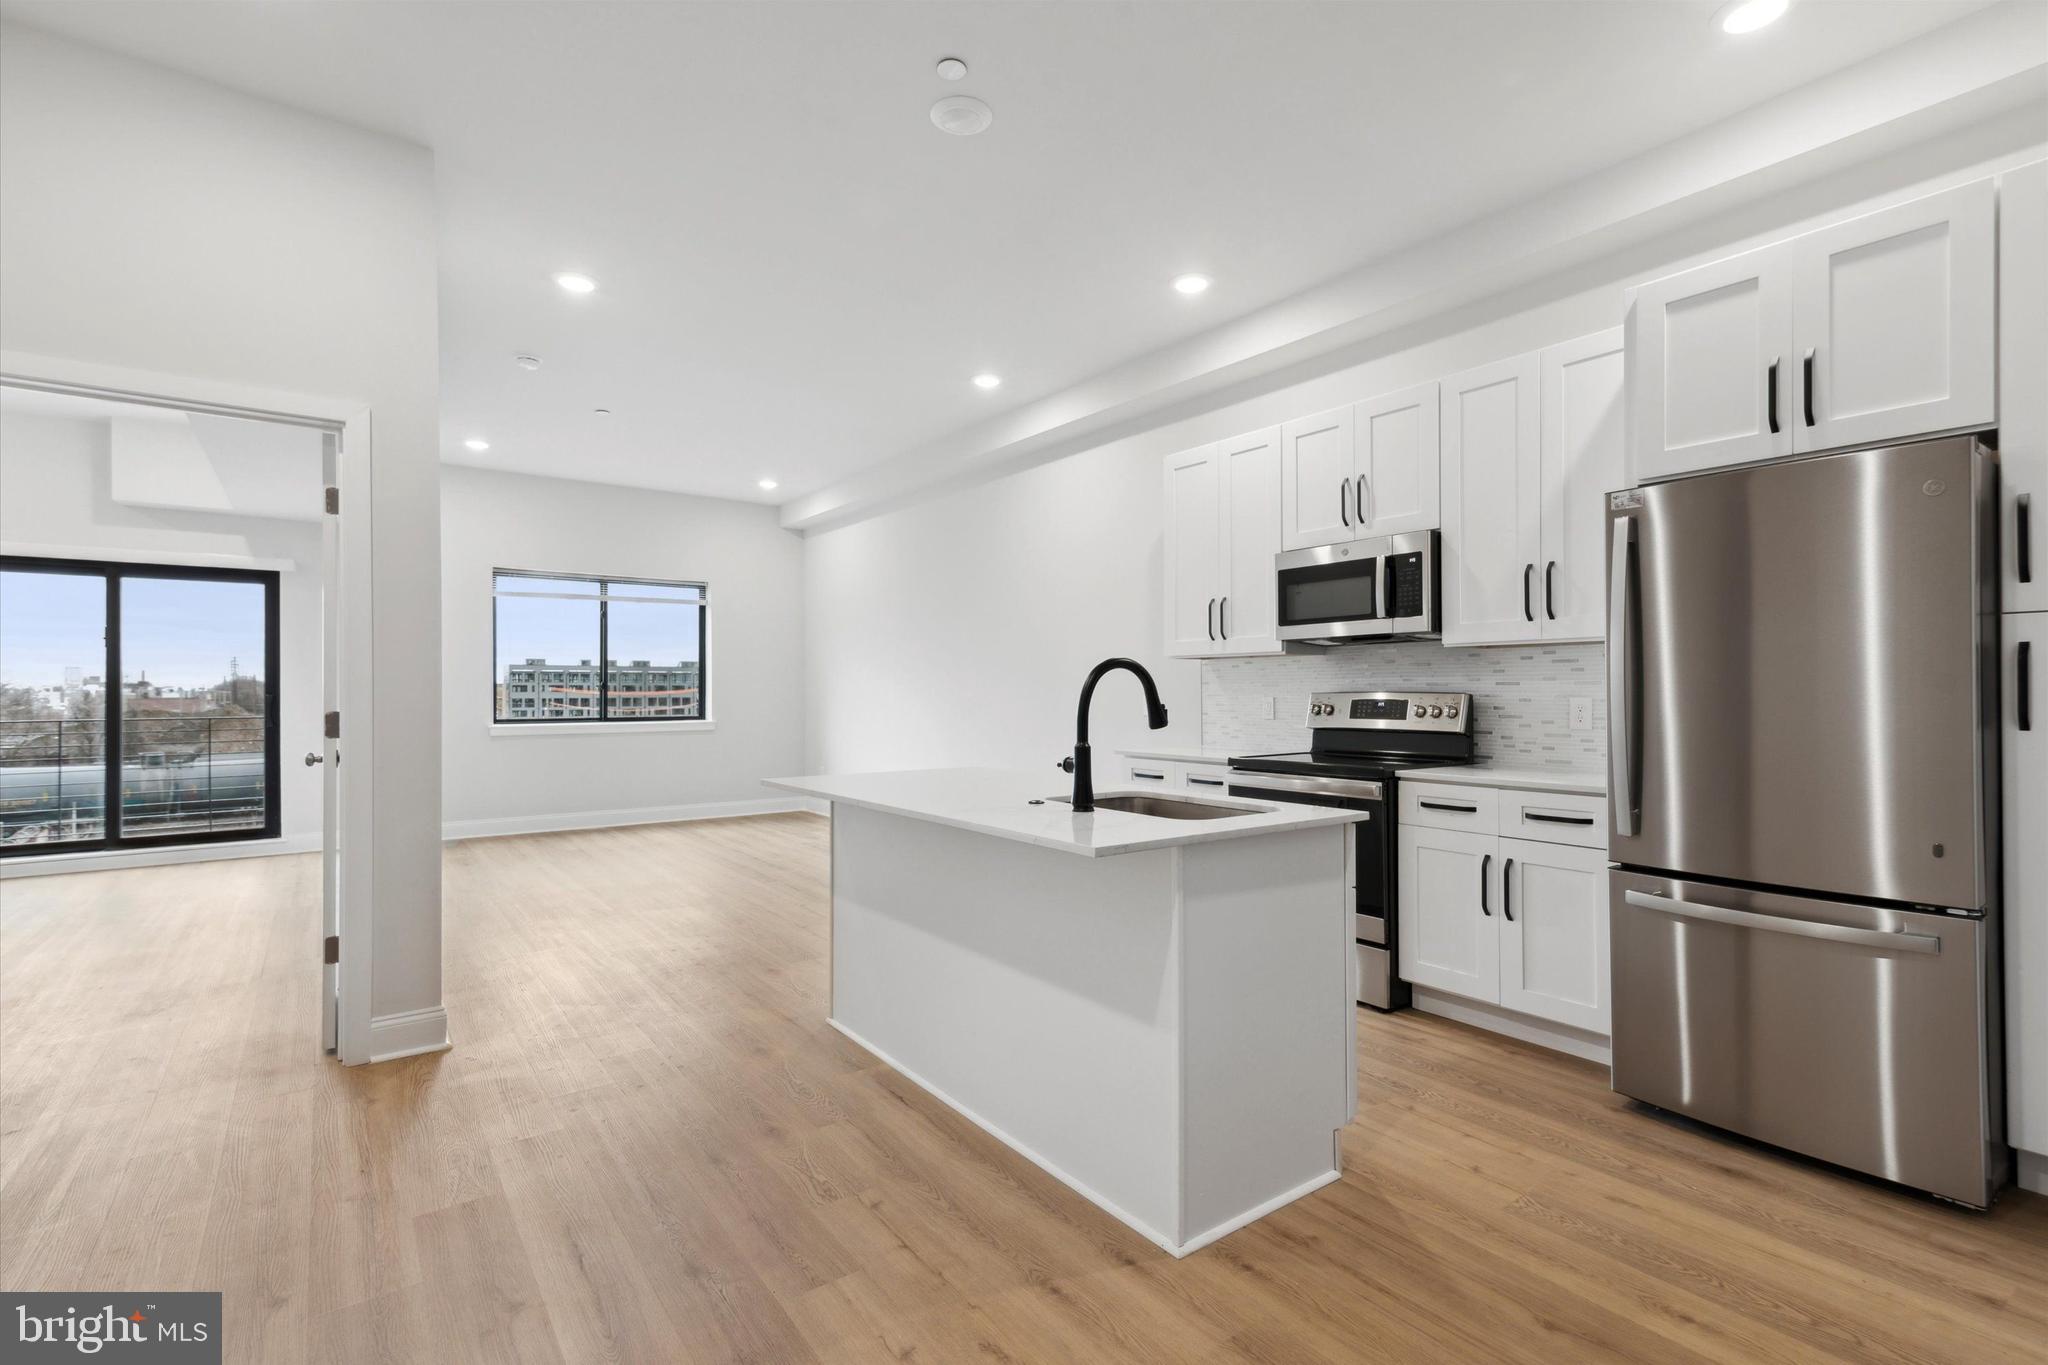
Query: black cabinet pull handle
[(1205, 782), (1439, 805), (1507, 904), (1212, 618), (1223, 617), (1806, 383), (2025, 683), (1549, 600), (1344, 501), (1558, 819), (2023, 535), (1771, 395), (1485, 868), (1528, 572)]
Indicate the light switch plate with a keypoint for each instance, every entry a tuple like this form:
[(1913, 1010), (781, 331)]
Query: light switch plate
[(1581, 713), (1272, 708)]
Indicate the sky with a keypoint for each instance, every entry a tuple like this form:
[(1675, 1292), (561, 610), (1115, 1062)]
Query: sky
[(177, 632)]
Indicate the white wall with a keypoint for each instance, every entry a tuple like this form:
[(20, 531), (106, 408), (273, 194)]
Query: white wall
[(514, 779), (55, 491), (958, 630), (279, 250)]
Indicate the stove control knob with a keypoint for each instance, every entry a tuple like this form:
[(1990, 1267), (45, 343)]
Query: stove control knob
[(1451, 711), (1436, 711), (1315, 708)]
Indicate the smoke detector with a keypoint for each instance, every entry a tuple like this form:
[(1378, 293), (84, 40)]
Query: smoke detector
[(526, 362), (962, 115), (951, 68)]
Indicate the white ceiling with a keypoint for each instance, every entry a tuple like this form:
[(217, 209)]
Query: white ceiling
[(799, 274)]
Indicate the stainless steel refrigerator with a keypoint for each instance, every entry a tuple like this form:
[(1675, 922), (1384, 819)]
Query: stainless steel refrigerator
[(1802, 702)]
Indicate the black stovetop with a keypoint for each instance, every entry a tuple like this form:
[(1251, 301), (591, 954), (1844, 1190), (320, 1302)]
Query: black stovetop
[(1373, 767)]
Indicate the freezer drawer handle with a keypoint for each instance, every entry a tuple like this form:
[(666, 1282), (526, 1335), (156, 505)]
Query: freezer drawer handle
[(1891, 940), (2023, 537), (2024, 685)]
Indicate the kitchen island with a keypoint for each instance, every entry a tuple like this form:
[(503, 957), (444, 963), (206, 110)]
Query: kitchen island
[(1155, 1010)]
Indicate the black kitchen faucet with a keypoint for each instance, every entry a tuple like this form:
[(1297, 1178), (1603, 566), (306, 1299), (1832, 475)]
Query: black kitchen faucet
[(1079, 765)]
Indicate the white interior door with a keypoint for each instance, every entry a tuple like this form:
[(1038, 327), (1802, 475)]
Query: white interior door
[(1894, 322), (1583, 450), (1249, 527), (1396, 461), (1492, 503), (1448, 909), (1194, 560), (1316, 495), (330, 752), (1553, 932), (1711, 372)]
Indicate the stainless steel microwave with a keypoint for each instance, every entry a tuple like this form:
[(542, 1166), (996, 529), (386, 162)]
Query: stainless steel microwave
[(1385, 588)]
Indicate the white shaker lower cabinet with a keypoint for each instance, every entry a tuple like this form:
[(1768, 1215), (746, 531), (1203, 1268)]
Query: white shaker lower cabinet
[(1553, 932), (2024, 734), (1446, 887), (1515, 922)]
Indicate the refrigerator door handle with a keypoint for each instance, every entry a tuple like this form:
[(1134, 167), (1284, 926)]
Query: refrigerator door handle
[(1620, 681), (1891, 940)]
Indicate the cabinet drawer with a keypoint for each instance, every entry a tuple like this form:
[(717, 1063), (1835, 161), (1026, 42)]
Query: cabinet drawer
[(1448, 807), (1554, 818), (1151, 772), (1210, 779)]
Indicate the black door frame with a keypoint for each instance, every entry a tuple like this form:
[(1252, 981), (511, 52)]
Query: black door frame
[(113, 806)]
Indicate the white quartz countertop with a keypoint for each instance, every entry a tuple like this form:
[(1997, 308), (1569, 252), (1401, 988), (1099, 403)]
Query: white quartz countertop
[(1168, 754), (1577, 781), (997, 802)]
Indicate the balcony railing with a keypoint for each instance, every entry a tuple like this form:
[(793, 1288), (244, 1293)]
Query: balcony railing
[(179, 775)]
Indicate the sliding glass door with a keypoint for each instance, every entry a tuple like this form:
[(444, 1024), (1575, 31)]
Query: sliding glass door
[(138, 705)]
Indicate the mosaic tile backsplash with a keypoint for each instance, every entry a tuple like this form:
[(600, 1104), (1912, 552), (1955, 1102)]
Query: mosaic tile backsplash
[(1521, 695)]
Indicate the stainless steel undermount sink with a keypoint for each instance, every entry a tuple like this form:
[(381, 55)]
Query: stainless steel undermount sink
[(1170, 807)]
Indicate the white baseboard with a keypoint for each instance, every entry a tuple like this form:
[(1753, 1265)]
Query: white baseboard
[(409, 1034), (2033, 1171), (1557, 1037), (102, 860), (607, 819)]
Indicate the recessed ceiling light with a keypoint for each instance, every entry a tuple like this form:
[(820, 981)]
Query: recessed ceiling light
[(1191, 284), (962, 115), (476, 443), (1747, 16), (575, 283), (526, 362), (987, 381), (768, 485), (951, 68)]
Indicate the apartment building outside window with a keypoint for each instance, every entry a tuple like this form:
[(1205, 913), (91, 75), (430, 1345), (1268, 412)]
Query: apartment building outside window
[(552, 630)]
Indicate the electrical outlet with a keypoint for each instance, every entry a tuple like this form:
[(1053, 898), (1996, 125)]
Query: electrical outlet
[(1272, 708), (1581, 713)]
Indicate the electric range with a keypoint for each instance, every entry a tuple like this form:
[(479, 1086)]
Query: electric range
[(1358, 741)]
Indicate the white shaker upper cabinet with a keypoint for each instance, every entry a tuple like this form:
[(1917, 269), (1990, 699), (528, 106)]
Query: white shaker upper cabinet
[(1492, 504), (1249, 525), (1394, 483), (1316, 492), (1583, 460), (1194, 552), (1710, 376), (2023, 387), (1894, 322)]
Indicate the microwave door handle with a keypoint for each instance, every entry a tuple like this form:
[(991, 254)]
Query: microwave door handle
[(1620, 680), (1383, 571)]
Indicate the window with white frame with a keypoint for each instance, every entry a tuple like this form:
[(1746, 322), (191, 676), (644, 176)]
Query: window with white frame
[(576, 648)]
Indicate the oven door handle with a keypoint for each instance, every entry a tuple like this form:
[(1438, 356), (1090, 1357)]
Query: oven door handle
[(1347, 789)]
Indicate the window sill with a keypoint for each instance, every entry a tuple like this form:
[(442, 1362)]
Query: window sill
[(535, 728)]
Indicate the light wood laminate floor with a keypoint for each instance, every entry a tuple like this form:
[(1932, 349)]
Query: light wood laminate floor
[(648, 1146)]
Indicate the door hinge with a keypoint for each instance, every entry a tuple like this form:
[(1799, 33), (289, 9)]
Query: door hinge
[(334, 725), (333, 502), (330, 955)]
